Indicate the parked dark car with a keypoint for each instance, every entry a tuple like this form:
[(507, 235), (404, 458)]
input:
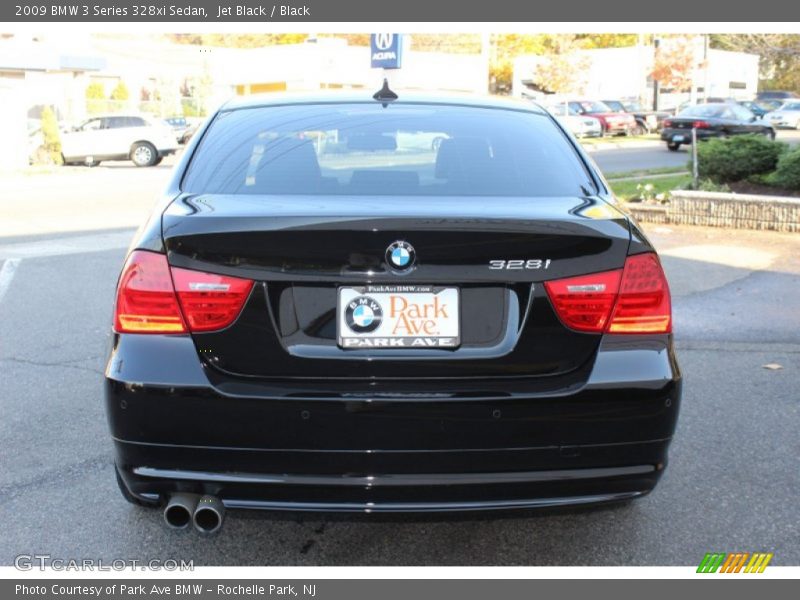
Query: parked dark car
[(780, 95), (325, 313), (613, 122), (712, 120), (646, 120)]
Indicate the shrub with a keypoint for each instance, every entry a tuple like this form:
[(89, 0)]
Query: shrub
[(120, 91), (787, 174), (51, 139), (736, 158), (707, 185), (95, 91)]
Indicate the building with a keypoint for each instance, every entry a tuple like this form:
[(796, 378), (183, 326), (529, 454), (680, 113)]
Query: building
[(33, 74), (165, 78), (624, 73)]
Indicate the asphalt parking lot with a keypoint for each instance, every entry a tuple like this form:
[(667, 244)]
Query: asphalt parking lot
[(731, 486)]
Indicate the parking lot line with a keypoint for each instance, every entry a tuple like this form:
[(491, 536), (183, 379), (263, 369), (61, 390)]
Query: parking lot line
[(69, 245), (7, 274)]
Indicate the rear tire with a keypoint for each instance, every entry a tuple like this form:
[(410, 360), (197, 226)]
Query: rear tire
[(637, 130), (674, 147), (770, 134), (158, 161), (143, 154)]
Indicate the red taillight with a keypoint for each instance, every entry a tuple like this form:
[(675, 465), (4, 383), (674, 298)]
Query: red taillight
[(644, 303), (701, 125), (632, 300), (147, 301), (210, 301), (667, 123), (584, 303)]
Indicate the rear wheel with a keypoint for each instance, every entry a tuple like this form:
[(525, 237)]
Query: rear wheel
[(637, 129), (674, 146), (769, 133), (143, 154)]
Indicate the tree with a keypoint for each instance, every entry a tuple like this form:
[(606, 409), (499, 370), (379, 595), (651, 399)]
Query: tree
[(238, 40), (562, 67), (506, 47), (779, 64), (95, 91), (674, 64), (120, 91), (51, 139)]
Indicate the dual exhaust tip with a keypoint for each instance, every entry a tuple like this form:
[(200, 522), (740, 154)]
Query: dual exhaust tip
[(205, 512)]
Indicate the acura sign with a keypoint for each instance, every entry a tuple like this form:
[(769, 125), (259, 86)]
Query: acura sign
[(386, 50)]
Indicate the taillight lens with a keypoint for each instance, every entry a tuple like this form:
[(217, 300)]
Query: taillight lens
[(667, 123), (146, 301), (210, 301), (635, 299), (701, 125), (644, 304), (153, 298), (584, 303)]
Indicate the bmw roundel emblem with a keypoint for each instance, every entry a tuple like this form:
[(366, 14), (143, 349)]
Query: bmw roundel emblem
[(401, 256), (363, 314)]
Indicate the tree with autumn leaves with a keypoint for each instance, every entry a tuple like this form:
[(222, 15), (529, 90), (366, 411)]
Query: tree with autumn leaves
[(674, 64)]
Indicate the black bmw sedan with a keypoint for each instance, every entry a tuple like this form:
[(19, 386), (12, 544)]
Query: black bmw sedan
[(328, 312), (710, 121)]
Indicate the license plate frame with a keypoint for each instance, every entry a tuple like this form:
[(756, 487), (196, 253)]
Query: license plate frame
[(409, 317)]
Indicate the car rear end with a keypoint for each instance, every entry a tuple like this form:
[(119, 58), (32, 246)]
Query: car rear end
[(677, 129), (161, 134), (787, 116), (330, 314)]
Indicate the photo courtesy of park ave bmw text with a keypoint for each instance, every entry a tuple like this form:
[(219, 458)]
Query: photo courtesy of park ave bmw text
[(338, 299)]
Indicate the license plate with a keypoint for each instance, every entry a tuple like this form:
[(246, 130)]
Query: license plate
[(677, 138), (398, 316)]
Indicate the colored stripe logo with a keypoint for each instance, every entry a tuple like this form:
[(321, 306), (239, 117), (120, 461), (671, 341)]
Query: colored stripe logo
[(734, 562)]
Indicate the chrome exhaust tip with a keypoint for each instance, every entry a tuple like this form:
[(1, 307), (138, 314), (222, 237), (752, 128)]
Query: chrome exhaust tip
[(209, 514), (180, 509)]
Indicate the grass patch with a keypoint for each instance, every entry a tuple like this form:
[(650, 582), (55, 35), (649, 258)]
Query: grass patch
[(627, 190), (646, 172)]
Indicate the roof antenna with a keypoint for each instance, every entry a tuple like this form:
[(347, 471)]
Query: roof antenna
[(385, 95)]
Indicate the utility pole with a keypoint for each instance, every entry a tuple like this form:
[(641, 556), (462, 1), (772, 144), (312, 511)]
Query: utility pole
[(486, 60), (656, 44)]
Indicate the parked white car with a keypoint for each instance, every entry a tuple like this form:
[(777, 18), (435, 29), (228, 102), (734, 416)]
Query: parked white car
[(580, 126), (142, 139), (788, 115)]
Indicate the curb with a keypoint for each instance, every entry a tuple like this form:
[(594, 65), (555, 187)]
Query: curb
[(620, 145)]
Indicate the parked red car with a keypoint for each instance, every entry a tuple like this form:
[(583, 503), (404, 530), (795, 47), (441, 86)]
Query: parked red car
[(613, 123)]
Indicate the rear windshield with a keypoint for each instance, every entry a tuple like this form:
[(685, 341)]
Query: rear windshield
[(366, 149), (705, 110)]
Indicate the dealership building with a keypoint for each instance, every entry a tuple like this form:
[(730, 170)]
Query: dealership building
[(623, 73)]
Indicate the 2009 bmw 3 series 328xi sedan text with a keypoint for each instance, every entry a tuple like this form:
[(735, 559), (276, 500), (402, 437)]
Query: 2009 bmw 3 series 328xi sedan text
[(419, 304)]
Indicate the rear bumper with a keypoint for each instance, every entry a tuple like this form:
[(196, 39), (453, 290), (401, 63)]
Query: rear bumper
[(330, 447), (667, 135)]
